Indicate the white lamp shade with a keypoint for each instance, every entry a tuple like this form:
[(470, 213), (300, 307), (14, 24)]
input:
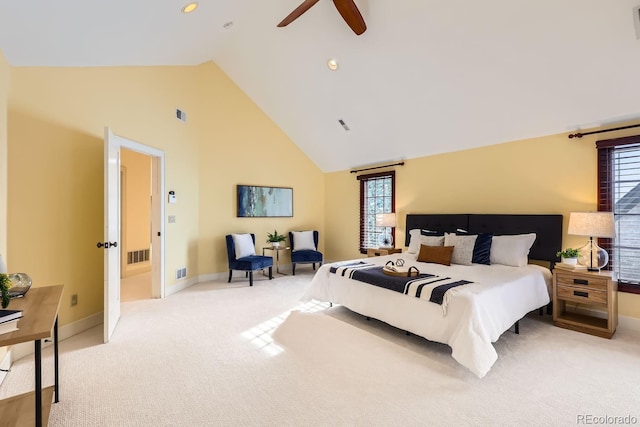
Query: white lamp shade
[(386, 220), (592, 224), (3, 266)]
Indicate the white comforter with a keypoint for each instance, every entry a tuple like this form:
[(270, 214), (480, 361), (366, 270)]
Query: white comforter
[(477, 314)]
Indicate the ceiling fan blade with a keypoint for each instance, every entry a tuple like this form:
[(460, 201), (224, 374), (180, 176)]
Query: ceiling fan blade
[(351, 15), (306, 5)]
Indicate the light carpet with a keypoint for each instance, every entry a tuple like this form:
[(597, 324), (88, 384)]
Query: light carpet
[(209, 356)]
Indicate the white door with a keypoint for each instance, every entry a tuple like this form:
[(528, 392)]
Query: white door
[(111, 233), (110, 245)]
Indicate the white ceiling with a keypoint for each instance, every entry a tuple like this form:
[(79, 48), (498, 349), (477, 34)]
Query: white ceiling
[(427, 77)]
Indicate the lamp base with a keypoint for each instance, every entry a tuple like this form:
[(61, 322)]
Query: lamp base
[(385, 241), (592, 256)]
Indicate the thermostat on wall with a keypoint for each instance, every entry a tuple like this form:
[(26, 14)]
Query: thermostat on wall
[(172, 197)]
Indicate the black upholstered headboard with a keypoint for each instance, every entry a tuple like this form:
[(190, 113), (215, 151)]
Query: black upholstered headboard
[(548, 228)]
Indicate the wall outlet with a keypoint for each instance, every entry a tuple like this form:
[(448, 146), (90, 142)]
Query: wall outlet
[(74, 299)]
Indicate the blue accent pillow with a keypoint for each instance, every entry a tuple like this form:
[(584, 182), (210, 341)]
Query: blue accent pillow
[(482, 249)]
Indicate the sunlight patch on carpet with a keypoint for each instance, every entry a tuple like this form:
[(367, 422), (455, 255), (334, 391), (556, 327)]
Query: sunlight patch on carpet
[(260, 335)]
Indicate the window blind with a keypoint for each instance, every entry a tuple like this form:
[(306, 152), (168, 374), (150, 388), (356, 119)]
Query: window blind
[(377, 195), (619, 192)]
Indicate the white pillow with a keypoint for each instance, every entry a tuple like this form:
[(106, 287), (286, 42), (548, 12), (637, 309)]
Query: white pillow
[(244, 245), (512, 250), (416, 239), (303, 240), (462, 247)]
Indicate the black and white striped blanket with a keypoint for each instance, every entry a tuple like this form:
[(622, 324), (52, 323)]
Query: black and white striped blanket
[(425, 286)]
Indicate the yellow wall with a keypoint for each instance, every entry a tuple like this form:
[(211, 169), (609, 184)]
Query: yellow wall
[(549, 175), (5, 74), (244, 147), (56, 118), (136, 208)]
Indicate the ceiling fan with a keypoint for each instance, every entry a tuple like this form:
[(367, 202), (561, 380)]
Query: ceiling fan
[(347, 8)]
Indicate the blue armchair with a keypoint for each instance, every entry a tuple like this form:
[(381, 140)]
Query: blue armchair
[(249, 263), (307, 249)]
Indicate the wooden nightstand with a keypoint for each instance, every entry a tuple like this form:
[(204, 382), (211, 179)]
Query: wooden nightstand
[(383, 251), (595, 290)]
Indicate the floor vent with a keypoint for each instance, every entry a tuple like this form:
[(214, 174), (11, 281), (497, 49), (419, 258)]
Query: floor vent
[(181, 273), (135, 257)]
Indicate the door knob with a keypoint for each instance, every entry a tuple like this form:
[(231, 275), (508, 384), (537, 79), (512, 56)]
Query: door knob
[(107, 245)]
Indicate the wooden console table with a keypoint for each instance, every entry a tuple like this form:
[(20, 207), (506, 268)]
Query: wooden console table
[(39, 321)]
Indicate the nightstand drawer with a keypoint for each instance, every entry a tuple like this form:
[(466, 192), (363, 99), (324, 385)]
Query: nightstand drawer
[(582, 295), (582, 281)]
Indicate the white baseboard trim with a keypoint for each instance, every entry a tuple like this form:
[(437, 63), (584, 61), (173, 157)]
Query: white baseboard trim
[(213, 276), (236, 274), (183, 284), (27, 348), (629, 323)]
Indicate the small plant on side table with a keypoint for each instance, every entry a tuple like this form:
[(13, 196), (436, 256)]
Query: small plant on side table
[(275, 238), (5, 285), (568, 254)]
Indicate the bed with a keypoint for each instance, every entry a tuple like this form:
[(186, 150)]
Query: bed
[(471, 317)]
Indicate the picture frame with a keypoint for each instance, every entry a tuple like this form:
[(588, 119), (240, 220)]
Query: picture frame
[(256, 201)]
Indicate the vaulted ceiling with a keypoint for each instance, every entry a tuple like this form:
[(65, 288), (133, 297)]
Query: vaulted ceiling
[(427, 76)]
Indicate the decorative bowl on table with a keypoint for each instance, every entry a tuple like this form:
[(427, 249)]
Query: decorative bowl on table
[(20, 284)]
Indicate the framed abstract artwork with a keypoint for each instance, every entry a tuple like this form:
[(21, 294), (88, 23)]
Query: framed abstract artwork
[(257, 201)]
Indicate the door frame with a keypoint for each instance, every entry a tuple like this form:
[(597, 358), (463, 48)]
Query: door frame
[(157, 211)]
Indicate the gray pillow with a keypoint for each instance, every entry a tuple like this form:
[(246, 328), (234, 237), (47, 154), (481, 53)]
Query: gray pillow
[(462, 247)]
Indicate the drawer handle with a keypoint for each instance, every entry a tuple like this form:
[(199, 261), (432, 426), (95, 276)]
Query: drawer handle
[(581, 294), (581, 282), (377, 253)]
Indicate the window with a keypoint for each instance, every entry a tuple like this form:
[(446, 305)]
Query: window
[(619, 192), (377, 195)]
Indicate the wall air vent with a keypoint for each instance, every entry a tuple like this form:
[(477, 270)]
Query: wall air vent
[(135, 257), (181, 115), (343, 124)]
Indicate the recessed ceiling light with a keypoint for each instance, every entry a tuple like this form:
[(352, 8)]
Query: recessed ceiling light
[(332, 64), (190, 8)]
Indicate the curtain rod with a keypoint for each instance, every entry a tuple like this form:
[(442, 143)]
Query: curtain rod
[(379, 167), (580, 135)]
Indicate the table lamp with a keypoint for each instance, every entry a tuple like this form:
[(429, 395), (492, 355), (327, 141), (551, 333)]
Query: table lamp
[(592, 224), (386, 220)]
